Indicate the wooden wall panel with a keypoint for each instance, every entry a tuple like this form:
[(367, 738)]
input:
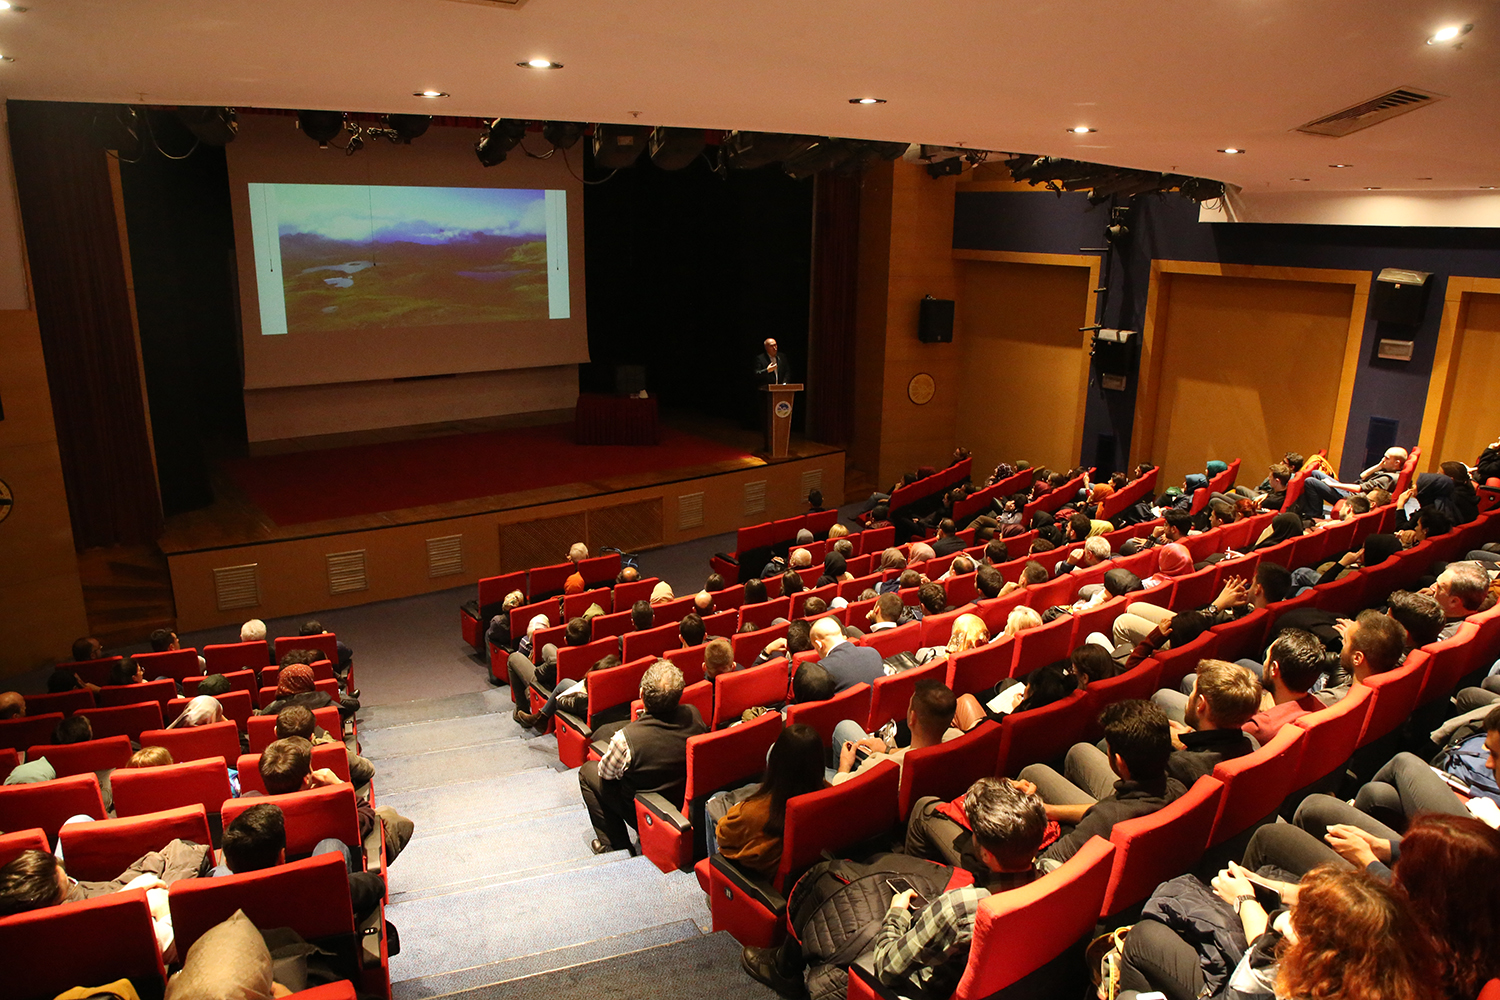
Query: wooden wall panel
[(1464, 423), (1249, 368), (1025, 365)]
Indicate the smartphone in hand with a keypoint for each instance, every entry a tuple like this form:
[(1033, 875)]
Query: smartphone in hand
[(898, 885)]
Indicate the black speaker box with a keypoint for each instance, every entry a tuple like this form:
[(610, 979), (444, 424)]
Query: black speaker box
[(935, 323), (1399, 302)]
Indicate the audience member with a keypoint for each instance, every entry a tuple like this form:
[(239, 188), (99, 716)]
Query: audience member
[(745, 825), (929, 717), (847, 663)]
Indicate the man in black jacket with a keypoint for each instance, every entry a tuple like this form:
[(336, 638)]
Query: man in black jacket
[(770, 366), (1087, 802), (647, 755)]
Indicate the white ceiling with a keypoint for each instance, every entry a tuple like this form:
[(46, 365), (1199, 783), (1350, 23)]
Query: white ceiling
[(1165, 82)]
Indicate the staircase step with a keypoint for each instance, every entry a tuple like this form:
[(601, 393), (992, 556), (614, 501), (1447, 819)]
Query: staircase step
[(493, 799), (470, 763), (457, 706), (442, 734)]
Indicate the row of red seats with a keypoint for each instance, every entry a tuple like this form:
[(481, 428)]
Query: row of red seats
[(220, 658), (537, 583)]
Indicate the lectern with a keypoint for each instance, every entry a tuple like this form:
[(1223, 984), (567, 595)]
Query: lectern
[(779, 416)]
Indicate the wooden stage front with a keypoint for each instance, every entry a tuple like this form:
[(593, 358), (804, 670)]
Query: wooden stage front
[(229, 562)]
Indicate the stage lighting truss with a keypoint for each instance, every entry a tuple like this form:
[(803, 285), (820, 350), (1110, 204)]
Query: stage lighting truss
[(395, 129), (1104, 182)]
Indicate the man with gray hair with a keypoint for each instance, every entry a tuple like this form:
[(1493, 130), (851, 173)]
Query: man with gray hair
[(1095, 550), (1460, 590), (577, 553), (648, 755), (253, 630), (801, 559)]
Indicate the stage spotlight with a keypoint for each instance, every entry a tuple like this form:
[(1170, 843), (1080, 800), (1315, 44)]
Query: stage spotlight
[(1201, 189), (215, 126), (563, 135), (946, 168), (498, 138), (618, 146), (408, 127), (675, 148), (748, 150), (321, 126)]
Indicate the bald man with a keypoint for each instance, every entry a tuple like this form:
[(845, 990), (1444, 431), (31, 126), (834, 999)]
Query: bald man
[(770, 366), (1381, 476), (845, 662), (12, 705)]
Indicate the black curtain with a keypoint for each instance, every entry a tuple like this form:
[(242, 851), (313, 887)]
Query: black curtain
[(78, 279)]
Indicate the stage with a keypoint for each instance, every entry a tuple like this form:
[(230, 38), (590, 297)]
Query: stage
[(300, 531)]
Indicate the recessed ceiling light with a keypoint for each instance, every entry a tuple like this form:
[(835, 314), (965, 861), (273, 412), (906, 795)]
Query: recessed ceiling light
[(1299, 178), (1449, 33), (1486, 187), (1340, 166), (4, 4), (429, 93), (539, 64), (867, 100), (1372, 189), (1082, 130), (1421, 178), (1231, 149)]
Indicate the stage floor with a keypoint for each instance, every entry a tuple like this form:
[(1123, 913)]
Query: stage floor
[(304, 494)]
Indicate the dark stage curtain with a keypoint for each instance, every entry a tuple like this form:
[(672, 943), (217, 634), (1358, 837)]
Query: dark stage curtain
[(835, 271), (78, 279)]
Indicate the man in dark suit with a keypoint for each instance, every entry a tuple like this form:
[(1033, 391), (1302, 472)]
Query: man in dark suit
[(845, 662), (948, 541), (770, 367)]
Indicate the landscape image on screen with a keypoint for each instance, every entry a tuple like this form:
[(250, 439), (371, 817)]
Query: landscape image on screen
[(356, 257)]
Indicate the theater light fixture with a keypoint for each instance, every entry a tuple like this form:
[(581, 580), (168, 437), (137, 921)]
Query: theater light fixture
[(321, 126), (563, 135), (1340, 166), (215, 126), (1231, 150), (498, 138), (1082, 130), (675, 148), (539, 64), (407, 127), (430, 94), (866, 100), (1449, 33)]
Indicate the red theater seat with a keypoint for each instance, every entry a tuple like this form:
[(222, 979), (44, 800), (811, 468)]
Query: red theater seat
[(66, 702), (311, 816), (332, 756), (86, 757), (1153, 848), (46, 804), (220, 739), (232, 657), (948, 769), (145, 790), (100, 851), (173, 663), (262, 728), (119, 943), (309, 896)]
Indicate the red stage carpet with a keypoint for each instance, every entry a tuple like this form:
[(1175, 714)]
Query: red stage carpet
[(367, 479)]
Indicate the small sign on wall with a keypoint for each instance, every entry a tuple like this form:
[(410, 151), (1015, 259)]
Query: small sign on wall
[(1395, 350)]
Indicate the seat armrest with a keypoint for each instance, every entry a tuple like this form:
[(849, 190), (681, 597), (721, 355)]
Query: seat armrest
[(374, 848), (600, 747), (757, 889), (370, 932), (662, 808), (575, 723)]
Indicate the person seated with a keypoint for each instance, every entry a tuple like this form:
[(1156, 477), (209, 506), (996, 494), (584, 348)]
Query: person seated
[(571, 696), (295, 686), (345, 655), (645, 755), (690, 630), (1016, 695), (1294, 662), (798, 639), (1141, 619), (1373, 644), (1032, 574), (1206, 723), (1461, 589), (62, 679), (1100, 789), (847, 663), (205, 710), (12, 705), (87, 648), (1095, 550), (745, 825), (256, 840), (286, 767), (791, 583), (522, 672), (993, 831), (1375, 550), (929, 717), (298, 720), (1174, 560), (126, 671), (969, 632), (498, 633), (150, 757), (627, 574), (662, 593), (1117, 583), (72, 729), (947, 541), (1283, 527), (1321, 488), (215, 685), (1092, 662), (164, 640), (933, 599), (886, 612)]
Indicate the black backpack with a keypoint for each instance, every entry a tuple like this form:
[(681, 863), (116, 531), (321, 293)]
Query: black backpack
[(836, 909)]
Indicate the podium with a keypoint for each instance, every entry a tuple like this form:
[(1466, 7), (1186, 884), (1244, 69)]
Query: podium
[(779, 416)]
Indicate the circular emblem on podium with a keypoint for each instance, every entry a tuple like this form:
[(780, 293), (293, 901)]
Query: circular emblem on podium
[(921, 388), (783, 409), (6, 500)]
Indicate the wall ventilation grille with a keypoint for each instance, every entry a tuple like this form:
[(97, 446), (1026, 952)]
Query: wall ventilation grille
[(812, 479), (689, 511), (445, 556), (346, 572), (755, 498), (237, 586), (1371, 112)]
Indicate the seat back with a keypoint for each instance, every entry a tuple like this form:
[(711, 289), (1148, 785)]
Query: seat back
[(576, 604), (13, 845), (95, 940), (616, 624), (27, 731), (229, 657), (1393, 695), (1097, 619), (889, 641), (86, 757), (672, 612), (853, 703), (1142, 681), (948, 769), (1041, 734), (239, 680), (980, 669), (1178, 663), (1020, 931), (890, 695), (9, 761), (747, 645), (1195, 589), (650, 642), (1153, 848), (1449, 660), (92, 671), (544, 581), (144, 790), (325, 643), (100, 851), (161, 692), (309, 896), (626, 594), (834, 818), (1256, 784), (1332, 735), (741, 689), (262, 728), (492, 589), (1037, 647), (46, 804), (66, 702), (574, 661), (1057, 591), (616, 686), (522, 615), (236, 706), (220, 739), (311, 816), (599, 570), (332, 756), (173, 663), (1244, 636)]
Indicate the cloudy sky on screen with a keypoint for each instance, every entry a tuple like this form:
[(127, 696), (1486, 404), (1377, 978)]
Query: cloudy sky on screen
[(415, 214)]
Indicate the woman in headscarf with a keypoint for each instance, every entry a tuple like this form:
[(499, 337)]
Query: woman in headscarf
[(1172, 561), (1283, 526), (1376, 550), (295, 686), (1215, 468), (1431, 489), (662, 593), (203, 710)]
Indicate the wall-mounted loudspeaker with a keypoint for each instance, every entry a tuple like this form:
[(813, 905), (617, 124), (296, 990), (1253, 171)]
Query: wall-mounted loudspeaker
[(935, 321), (1399, 296)]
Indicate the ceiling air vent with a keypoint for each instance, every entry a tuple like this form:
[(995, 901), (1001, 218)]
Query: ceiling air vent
[(346, 572), (755, 497), (1371, 112), (445, 556), (689, 511), (237, 586)]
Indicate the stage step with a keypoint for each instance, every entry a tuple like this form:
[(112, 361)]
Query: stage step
[(127, 593)]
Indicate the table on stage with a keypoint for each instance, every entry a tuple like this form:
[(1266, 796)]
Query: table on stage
[(608, 419)]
